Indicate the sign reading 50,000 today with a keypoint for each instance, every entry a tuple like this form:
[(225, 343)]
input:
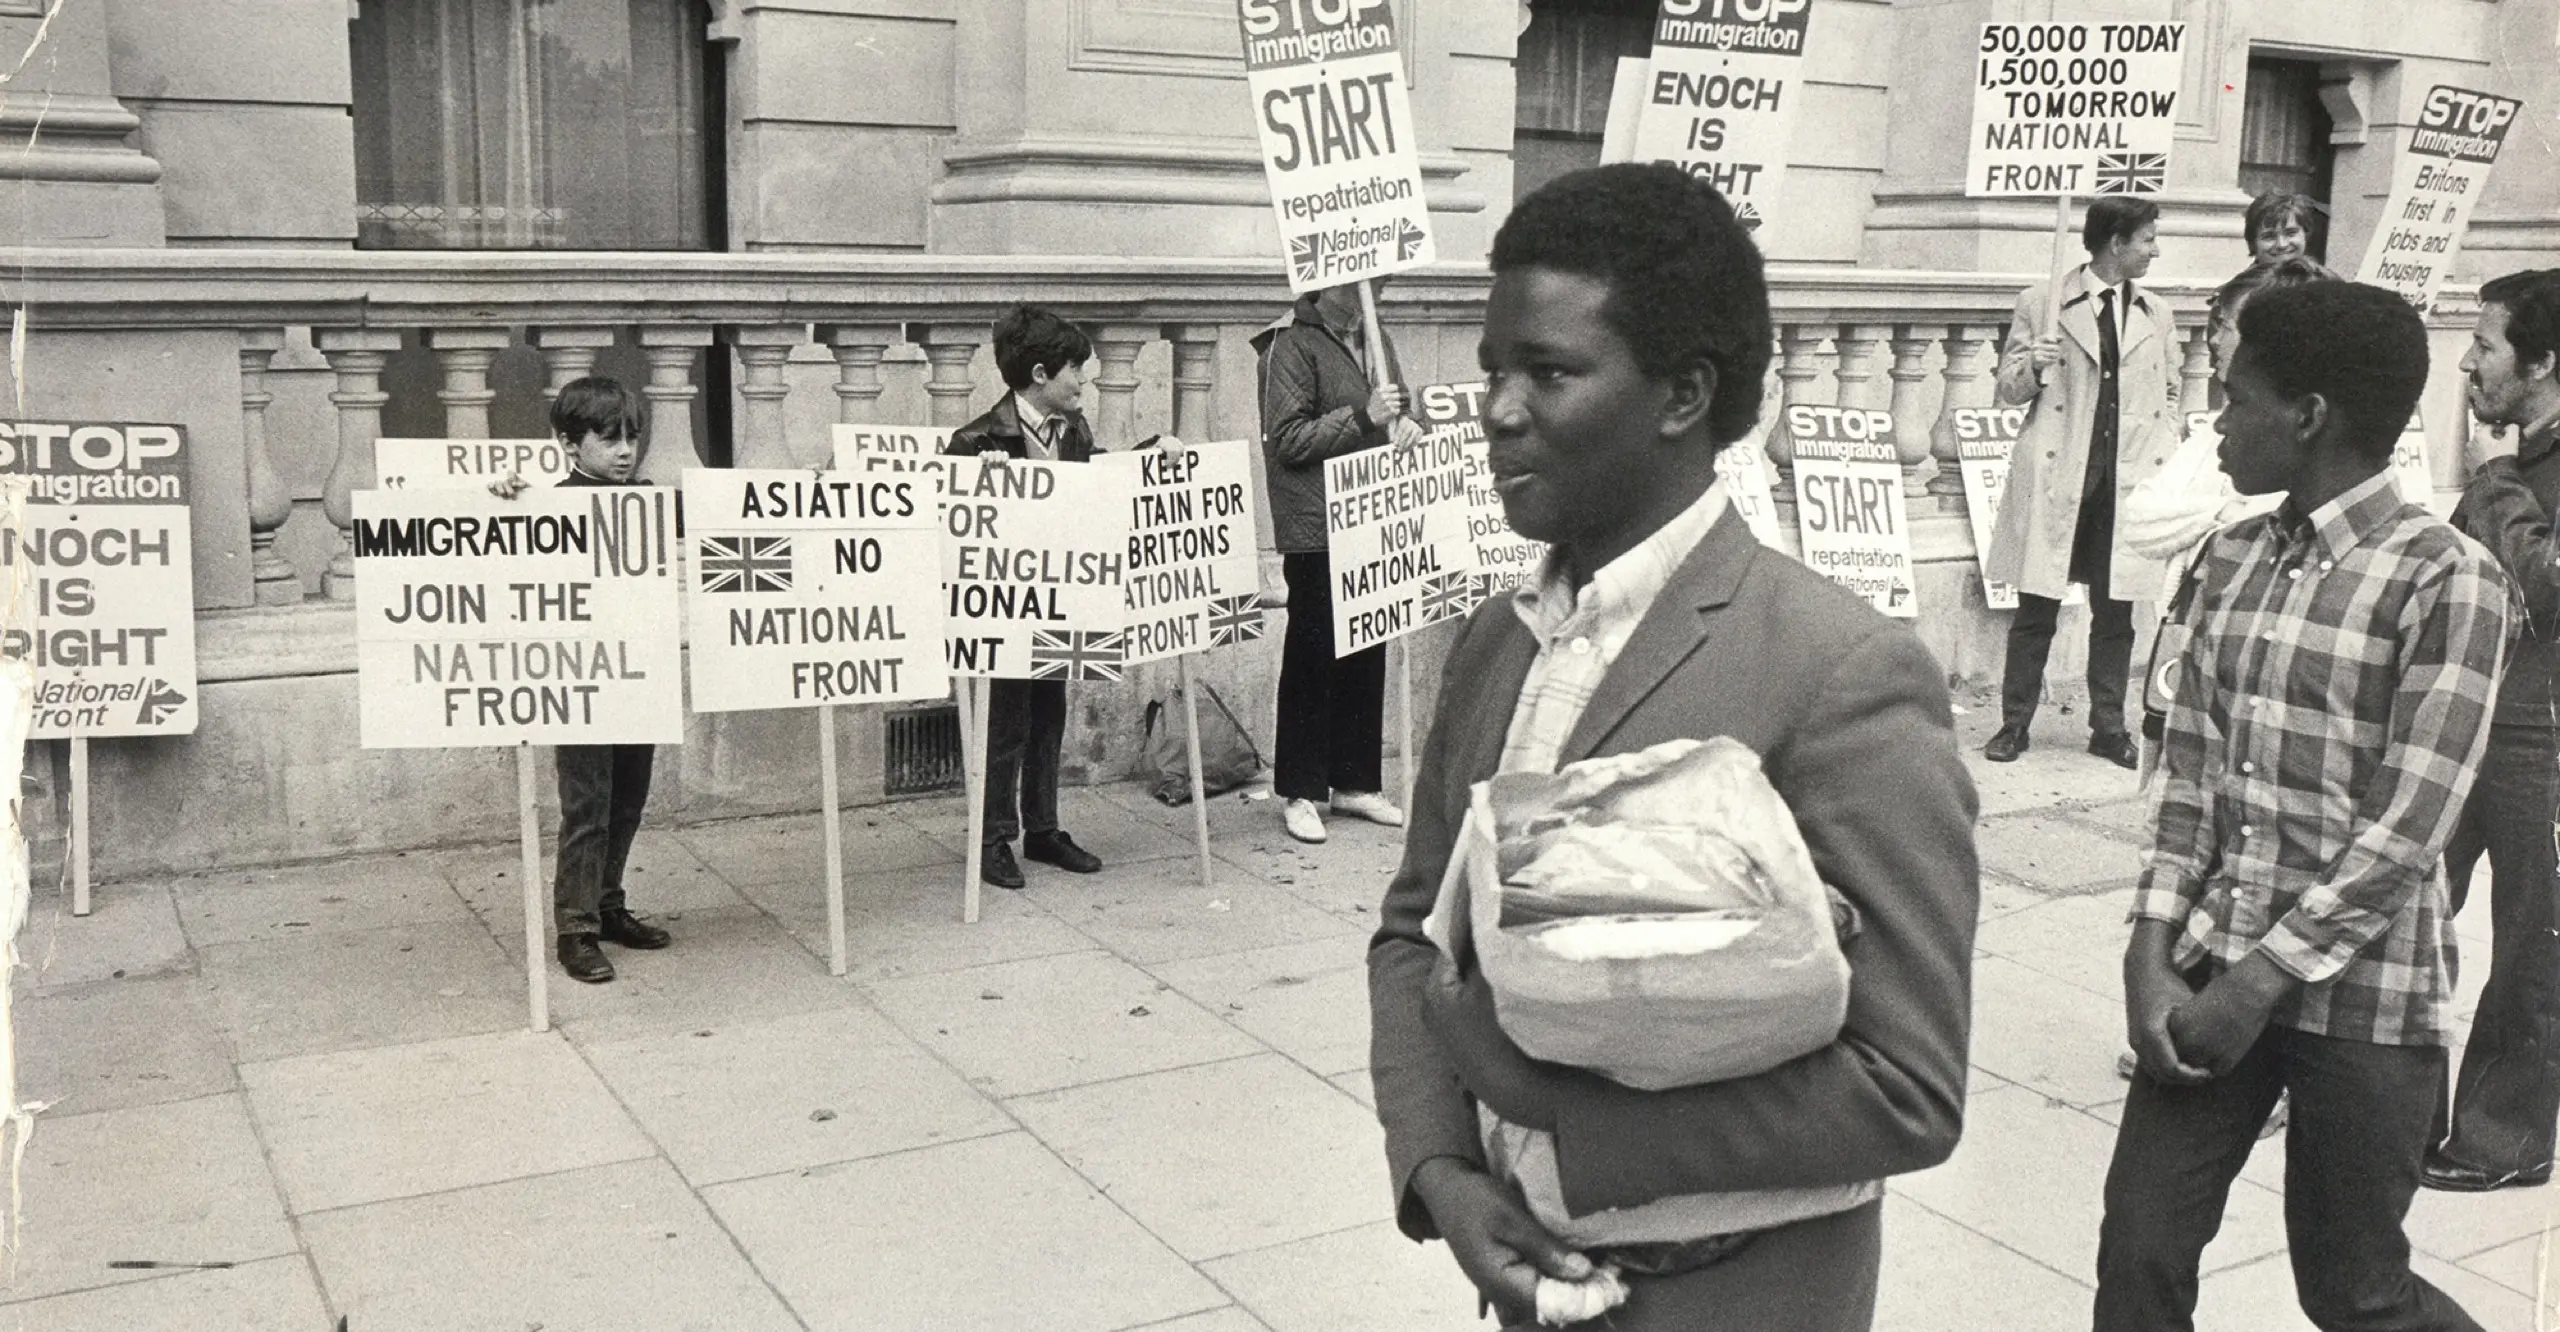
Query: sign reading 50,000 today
[(1336, 119), (2074, 108)]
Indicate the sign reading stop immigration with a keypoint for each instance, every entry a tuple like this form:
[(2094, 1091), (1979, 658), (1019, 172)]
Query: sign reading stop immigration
[(2435, 188), (1504, 558), (1984, 438), (1335, 115), (1721, 95), (1849, 504), (2074, 108), (108, 556)]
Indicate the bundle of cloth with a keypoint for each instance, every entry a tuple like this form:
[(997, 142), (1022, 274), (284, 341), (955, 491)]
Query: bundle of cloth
[(1653, 916)]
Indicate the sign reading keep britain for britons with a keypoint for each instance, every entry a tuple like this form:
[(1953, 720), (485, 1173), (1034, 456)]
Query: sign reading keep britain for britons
[(1721, 95), (1335, 115), (2435, 188), (810, 588), (1193, 581), (2074, 108), (108, 558)]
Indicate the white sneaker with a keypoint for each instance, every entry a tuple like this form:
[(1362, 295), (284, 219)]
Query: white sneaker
[(1302, 820), (1371, 805)]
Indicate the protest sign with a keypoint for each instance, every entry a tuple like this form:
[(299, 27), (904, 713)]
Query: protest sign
[(811, 588), (1193, 581), (1984, 437), (1626, 110), (1504, 558), (2435, 188), (1743, 467), (913, 441), (1034, 563), (445, 464), (2409, 466), (1721, 95), (2074, 108), (1333, 109), (546, 619), (112, 573), (1849, 504), (1396, 530)]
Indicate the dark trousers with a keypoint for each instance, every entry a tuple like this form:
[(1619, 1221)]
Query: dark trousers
[(1332, 709), (2352, 1150), (1026, 726), (2506, 1103), (2031, 642), (1813, 1276), (603, 788)]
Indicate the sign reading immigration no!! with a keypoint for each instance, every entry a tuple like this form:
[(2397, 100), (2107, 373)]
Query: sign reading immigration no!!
[(1849, 504), (1335, 116), (1193, 580), (2435, 188), (108, 554), (2074, 108), (546, 619), (810, 588), (429, 464), (1721, 95), (1396, 532)]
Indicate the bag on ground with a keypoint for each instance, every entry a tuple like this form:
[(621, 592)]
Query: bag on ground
[(1227, 757)]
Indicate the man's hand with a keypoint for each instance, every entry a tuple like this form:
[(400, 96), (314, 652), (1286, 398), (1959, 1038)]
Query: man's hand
[(2152, 990), (1500, 1247), (1386, 402), (509, 486), (1460, 1013), (1405, 432), (2486, 444), (2216, 1029), (1169, 444), (2048, 352)]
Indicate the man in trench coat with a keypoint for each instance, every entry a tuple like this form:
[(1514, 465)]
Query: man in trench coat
[(2104, 392)]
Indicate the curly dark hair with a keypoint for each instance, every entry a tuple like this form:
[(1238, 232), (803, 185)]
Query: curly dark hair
[(2362, 349), (2532, 301), (1685, 281), (1029, 336)]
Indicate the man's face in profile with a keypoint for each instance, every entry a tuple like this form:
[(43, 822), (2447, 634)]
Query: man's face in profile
[(1573, 424)]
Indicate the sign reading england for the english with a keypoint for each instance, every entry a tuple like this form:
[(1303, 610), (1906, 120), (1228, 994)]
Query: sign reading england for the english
[(2435, 188), (812, 587), (1193, 580), (1721, 95), (111, 576), (546, 619), (1335, 116), (2074, 108), (1396, 530)]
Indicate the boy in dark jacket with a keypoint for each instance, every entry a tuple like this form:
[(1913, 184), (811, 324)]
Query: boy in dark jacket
[(1042, 358), (1324, 396)]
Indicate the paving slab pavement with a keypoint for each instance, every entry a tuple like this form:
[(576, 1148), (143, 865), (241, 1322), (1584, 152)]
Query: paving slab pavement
[(1118, 1102)]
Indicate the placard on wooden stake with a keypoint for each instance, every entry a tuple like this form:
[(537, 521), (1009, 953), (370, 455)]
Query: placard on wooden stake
[(537, 968)]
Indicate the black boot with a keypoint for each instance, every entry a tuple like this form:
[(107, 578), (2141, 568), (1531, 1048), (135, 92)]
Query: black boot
[(2007, 743), (580, 957), (621, 927)]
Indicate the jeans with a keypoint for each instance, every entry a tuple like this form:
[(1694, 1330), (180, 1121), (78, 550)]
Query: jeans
[(1026, 725), (602, 791), (1332, 709), (2352, 1155), (2506, 1102)]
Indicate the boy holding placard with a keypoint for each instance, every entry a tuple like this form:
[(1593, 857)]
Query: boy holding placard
[(1041, 356), (603, 788)]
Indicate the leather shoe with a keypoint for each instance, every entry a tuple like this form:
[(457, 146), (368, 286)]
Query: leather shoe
[(2006, 744), (2117, 748), (621, 927), (996, 866), (2455, 1177), (580, 957), (1056, 848)]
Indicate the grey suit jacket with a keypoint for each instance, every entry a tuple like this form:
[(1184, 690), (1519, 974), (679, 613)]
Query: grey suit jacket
[(1849, 715)]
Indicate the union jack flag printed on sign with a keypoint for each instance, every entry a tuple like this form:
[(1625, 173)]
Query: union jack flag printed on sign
[(2132, 173), (1305, 252), (1234, 620), (1075, 655), (1448, 596), (745, 564)]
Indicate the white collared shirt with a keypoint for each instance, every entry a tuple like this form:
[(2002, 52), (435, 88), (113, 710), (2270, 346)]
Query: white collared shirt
[(1036, 428)]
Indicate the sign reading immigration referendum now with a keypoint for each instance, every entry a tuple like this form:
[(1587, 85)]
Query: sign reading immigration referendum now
[(1334, 111), (547, 619), (1984, 438), (2074, 108), (1721, 95), (1193, 580), (1849, 504), (426, 464), (2435, 188), (1504, 558), (1396, 529), (111, 572), (809, 588)]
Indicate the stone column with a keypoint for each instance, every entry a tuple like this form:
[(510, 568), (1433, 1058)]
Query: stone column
[(1861, 348), (1911, 344), (1195, 380), (1967, 385), (764, 358), (1798, 346), (948, 349), (356, 356), (1118, 346), (2195, 372), (859, 349), (465, 355), (273, 577), (66, 168), (670, 349), (569, 353)]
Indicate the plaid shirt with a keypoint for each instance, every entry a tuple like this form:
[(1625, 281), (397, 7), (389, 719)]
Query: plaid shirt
[(2332, 709)]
